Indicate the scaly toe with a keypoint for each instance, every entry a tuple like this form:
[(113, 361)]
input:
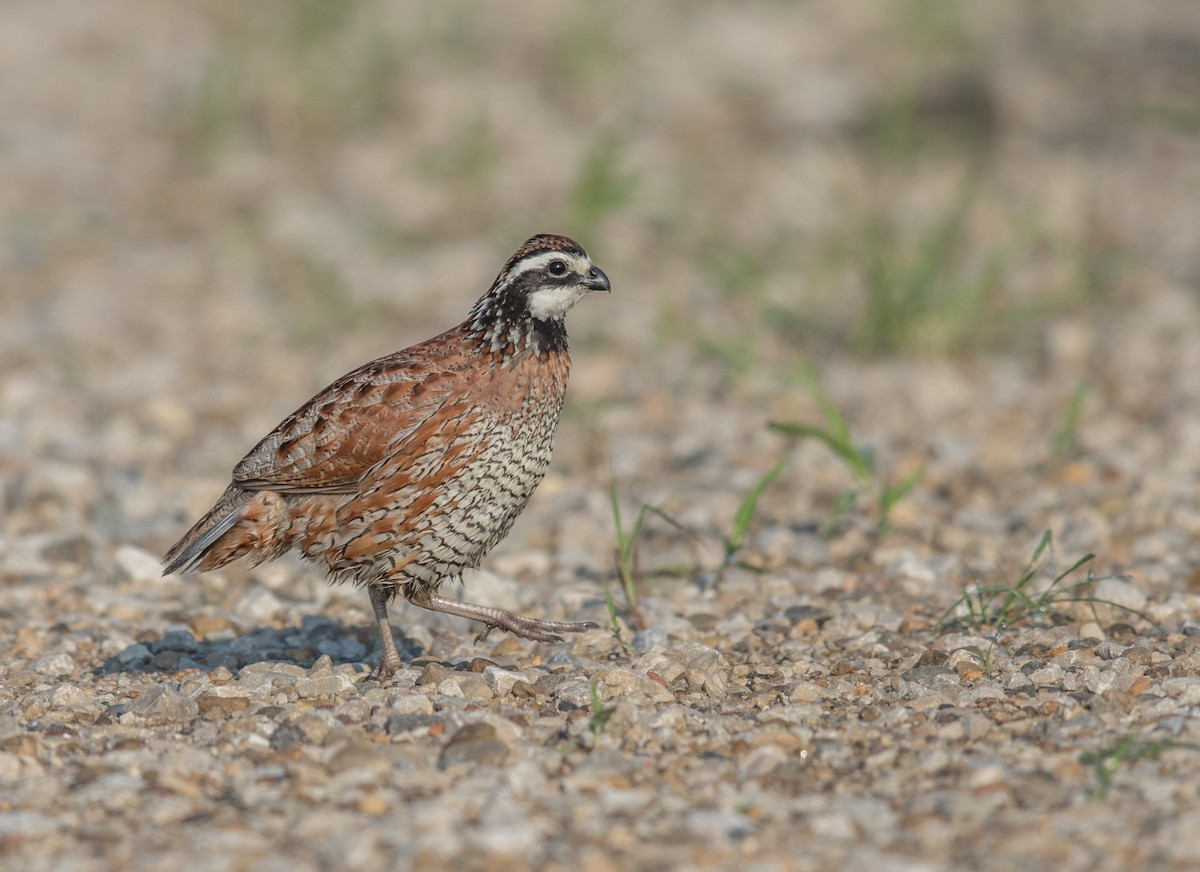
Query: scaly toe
[(384, 671)]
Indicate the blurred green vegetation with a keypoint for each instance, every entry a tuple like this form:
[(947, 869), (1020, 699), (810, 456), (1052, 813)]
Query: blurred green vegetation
[(914, 241), (294, 77), (602, 187), (835, 433)]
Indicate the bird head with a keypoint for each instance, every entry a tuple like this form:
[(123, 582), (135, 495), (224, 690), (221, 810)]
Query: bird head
[(552, 273), (531, 296)]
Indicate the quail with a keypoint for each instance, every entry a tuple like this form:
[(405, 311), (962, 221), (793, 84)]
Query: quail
[(408, 470)]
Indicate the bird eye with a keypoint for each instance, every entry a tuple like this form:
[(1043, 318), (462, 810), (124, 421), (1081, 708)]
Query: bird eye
[(557, 268)]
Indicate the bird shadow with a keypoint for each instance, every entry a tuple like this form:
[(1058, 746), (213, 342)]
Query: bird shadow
[(315, 638)]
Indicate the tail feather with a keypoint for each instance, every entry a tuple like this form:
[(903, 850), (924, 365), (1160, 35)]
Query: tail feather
[(187, 553)]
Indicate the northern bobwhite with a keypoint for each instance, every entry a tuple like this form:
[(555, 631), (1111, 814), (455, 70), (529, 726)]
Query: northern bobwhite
[(409, 469)]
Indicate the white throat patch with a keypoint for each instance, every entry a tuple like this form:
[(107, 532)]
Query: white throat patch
[(554, 302)]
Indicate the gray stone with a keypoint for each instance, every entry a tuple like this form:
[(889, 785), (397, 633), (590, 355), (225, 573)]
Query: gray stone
[(466, 684), (475, 744), (287, 735), (55, 664), (436, 673), (648, 639), (1120, 592), (136, 653), (333, 684), (175, 640), (138, 565), (399, 724), (164, 704), (501, 680), (929, 674), (15, 825), (618, 682)]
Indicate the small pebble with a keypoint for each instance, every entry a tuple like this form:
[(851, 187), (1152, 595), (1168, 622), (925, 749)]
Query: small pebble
[(164, 704), (474, 745)]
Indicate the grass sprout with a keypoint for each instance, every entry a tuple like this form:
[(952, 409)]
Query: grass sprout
[(1131, 749), (747, 509), (625, 554), (891, 494), (613, 619), (923, 290), (1003, 604), (600, 713), (836, 435), (1064, 440)]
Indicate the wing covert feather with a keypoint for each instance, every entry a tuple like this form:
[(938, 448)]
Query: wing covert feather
[(329, 443)]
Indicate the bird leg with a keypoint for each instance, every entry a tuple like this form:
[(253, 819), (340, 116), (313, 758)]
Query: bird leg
[(389, 660), (518, 625)]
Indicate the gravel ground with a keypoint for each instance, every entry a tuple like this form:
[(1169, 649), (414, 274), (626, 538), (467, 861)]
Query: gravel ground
[(200, 230)]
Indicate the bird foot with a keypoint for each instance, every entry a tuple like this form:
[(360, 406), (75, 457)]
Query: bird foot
[(386, 669), (532, 628), (499, 619)]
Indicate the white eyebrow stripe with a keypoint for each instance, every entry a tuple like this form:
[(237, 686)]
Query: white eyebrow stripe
[(538, 261)]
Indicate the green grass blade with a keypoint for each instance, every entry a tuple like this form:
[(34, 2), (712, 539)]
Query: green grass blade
[(616, 503), (625, 551), (749, 507), (894, 493), (1064, 436), (600, 713), (860, 462)]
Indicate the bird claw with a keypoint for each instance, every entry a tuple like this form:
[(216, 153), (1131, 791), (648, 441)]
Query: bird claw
[(528, 628), (384, 671)]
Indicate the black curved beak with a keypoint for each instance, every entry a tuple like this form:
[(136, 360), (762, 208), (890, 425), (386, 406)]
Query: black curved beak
[(596, 280)]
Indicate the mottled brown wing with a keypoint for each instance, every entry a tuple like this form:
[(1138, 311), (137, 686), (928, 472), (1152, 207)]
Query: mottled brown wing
[(327, 444)]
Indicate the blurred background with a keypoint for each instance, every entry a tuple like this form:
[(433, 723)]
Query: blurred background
[(971, 228), (903, 328)]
